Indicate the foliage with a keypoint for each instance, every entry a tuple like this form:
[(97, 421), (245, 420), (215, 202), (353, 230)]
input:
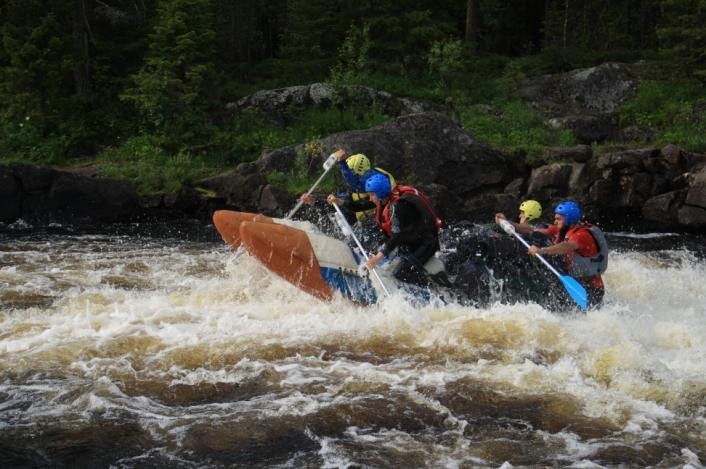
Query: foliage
[(146, 159), (512, 125), (352, 57), (682, 37), (144, 85), (37, 60), (142, 160), (586, 25), (667, 106), (300, 179), (512, 79), (171, 90), (447, 56)]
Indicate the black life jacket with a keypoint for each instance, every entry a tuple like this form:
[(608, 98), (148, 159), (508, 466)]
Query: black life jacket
[(418, 198)]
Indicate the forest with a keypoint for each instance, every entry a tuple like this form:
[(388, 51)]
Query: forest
[(141, 89)]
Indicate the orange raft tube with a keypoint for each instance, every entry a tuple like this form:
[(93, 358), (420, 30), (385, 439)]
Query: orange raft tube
[(284, 250), (228, 222)]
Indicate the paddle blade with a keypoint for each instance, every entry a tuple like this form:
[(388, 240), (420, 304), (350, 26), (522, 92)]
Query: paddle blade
[(330, 161), (575, 290), (507, 227)]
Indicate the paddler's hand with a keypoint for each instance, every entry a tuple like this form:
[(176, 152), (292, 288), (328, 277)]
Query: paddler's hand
[(534, 250), (307, 199), (332, 199), (373, 261), (340, 154), (499, 216)]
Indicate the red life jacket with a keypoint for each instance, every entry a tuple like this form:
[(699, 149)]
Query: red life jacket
[(414, 195), (594, 259)]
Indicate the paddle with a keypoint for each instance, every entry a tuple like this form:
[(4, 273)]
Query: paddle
[(328, 164), (573, 287), (348, 231)]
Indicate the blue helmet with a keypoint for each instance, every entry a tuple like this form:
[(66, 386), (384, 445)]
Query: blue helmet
[(378, 184), (570, 210)]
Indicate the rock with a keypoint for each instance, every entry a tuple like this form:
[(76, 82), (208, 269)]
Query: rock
[(50, 195), (276, 104), (697, 190), (11, 196), (672, 154), (430, 148), (664, 208), (42, 195), (281, 159), (598, 90), (505, 203), (636, 134), (625, 160), (550, 181), (692, 217), (516, 188), (273, 200), (33, 179), (588, 128), (578, 153), (584, 101), (322, 95), (240, 188), (91, 199)]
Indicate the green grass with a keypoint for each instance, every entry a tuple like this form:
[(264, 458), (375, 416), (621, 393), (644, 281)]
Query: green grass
[(667, 106), (513, 126), (143, 161), (155, 164), (298, 184), (146, 161)]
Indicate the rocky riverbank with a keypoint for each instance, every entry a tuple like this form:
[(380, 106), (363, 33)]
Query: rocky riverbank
[(659, 188), (623, 185)]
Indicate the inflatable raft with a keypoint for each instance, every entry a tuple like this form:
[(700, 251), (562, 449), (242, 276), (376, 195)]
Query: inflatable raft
[(310, 260)]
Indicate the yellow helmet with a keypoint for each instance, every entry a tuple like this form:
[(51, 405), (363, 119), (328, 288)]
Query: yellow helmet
[(359, 163), (532, 209)]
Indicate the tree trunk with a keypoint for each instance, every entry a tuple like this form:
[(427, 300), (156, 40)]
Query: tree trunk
[(566, 23), (82, 55), (472, 23)]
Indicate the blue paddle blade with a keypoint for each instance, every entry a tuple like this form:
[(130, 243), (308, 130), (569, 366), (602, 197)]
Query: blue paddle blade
[(576, 290)]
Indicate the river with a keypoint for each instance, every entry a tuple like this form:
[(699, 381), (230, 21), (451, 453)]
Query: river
[(164, 350)]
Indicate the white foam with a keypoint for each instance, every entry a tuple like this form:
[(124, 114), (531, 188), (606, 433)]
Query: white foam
[(634, 361)]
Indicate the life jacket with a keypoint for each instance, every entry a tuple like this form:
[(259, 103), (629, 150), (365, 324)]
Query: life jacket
[(364, 195), (418, 198), (582, 266)]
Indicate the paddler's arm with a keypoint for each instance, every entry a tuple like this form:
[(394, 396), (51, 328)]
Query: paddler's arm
[(522, 228), (352, 179), (307, 199), (374, 260), (360, 205), (564, 247)]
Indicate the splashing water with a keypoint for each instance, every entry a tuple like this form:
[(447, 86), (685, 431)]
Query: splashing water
[(127, 351)]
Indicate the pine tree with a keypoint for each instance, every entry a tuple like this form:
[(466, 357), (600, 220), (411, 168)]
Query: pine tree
[(37, 51), (174, 88), (682, 34)]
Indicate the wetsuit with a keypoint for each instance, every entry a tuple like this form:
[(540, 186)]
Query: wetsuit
[(410, 227)]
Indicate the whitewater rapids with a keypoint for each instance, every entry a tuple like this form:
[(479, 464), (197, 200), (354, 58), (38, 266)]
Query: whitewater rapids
[(131, 351)]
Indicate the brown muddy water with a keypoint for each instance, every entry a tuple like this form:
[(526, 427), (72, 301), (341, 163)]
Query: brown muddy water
[(156, 351)]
